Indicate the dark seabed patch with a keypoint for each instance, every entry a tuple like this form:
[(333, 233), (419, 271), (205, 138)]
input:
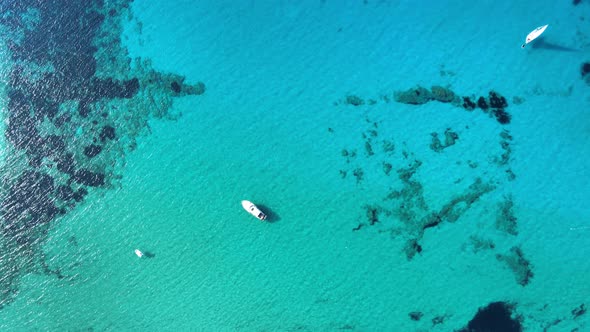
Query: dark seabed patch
[(75, 105), (403, 209), (404, 212), (496, 316)]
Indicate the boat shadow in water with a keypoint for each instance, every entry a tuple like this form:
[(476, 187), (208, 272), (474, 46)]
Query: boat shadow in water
[(149, 254), (543, 44), (271, 216)]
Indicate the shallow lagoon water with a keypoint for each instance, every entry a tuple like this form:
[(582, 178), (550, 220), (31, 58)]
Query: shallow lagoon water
[(274, 126)]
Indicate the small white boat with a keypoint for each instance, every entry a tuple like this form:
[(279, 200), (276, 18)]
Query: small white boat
[(253, 210), (138, 253), (534, 34)]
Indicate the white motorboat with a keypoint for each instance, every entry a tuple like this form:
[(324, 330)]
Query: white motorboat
[(138, 253), (253, 210), (534, 34)]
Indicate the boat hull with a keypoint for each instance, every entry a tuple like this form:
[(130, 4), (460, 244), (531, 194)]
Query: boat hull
[(253, 210), (534, 34)]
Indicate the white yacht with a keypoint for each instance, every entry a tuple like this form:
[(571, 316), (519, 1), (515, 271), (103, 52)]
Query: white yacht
[(534, 34), (253, 210)]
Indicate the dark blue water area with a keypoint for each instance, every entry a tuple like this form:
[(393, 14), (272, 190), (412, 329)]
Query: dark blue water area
[(52, 79)]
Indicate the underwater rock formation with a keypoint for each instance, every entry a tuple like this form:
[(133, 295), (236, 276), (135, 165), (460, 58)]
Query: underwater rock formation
[(92, 150), (407, 206), (373, 214), (579, 311), (450, 212), (504, 159), (482, 103), (450, 138), (519, 265), (415, 96), (354, 100), (477, 243), (415, 315), (107, 133), (584, 71), (180, 88), (89, 178), (495, 317), (405, 214), (505, 220), (468, 104), (443, 95), (29, 202), (420, 95), (495, 104), (70, 86), (501, 115), (497, 101), (436, 145)]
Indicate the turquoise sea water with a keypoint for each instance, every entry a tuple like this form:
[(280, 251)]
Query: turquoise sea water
[(372, 227)]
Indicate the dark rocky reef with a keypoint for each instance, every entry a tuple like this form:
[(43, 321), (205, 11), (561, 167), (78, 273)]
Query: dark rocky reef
[(444, 95), (179, 87), (415, 96), (438, 320), (579, 311), (387, 167), (497, 101), (501, 115), (107, 133), (89, 178), (92, 150), (29, 202), (68, 107), (420, 95), (373, 214), (415, 315), (450, 212), (406, 204), (494, 104), (358, 173), (468, 104), (585, 70), (450, 139), (354, 100), (505, 140), (482, 103), (504, 159), (505, 220), (404, 213), (477, 244), (518, 264), (495, 317), (411, 248)]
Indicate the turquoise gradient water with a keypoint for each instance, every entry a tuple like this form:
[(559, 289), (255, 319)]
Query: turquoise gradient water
[(271, 128)]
